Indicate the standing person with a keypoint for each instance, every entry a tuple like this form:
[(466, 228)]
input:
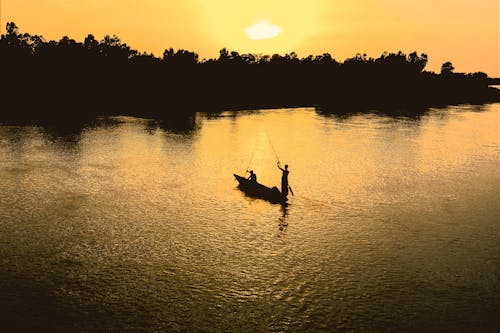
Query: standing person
[(284, 179)]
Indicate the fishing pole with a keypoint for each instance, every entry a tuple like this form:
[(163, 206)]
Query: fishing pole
[(277, 158), (274, 150), (251, 159)]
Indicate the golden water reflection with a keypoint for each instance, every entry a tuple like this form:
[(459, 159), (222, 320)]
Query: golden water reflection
[(134, 224)]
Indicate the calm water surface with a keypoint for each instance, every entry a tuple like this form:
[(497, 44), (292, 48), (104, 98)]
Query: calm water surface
[(131, 224)]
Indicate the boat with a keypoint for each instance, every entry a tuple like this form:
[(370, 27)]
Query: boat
[(256, 190)]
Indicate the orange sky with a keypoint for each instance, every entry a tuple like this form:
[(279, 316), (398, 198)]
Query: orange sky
[(464, 32)]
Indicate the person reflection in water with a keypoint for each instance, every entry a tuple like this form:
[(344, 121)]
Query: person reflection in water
[(253, 176), (284, 214), (284, 179)]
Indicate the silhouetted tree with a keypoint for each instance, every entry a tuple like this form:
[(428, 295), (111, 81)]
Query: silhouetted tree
[(447, 68), (91, 44), (180, 57), (112, 47), (419, 62), (108, 76), (223, 55)]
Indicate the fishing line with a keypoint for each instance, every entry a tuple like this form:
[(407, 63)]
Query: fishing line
[(323, 203), (278, 159), (274, 150), (251, 157)]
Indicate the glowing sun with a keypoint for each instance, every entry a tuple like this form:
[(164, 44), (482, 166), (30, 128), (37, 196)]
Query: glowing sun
[(262, 26), (263, 30)]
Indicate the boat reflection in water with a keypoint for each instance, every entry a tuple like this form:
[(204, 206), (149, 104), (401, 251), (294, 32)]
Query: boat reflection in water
[(254, 189)]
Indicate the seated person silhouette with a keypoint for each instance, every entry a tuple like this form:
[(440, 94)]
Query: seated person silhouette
[(253, 176)]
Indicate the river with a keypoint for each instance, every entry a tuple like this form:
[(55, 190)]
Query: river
[(138, 225)]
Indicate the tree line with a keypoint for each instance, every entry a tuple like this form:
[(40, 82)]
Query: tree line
[(71, 78)]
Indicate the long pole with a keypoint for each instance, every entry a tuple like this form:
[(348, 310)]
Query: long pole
[(274, 150), (250, 162), (277, 158)]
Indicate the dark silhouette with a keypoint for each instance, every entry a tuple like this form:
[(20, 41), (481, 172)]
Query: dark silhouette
[(494, 81), (256, 190), (253, 176), (67, 79), (283, 223), (447, 68), (284, 179)]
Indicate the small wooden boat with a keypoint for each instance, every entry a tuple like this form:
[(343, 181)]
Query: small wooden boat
[(257, 190)]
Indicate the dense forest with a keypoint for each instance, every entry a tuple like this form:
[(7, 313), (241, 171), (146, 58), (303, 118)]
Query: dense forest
[(67, 78)]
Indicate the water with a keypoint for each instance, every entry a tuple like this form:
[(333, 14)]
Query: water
[(131, 224)]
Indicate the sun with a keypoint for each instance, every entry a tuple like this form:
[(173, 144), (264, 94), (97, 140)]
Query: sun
[(261, 26), (263, 30)]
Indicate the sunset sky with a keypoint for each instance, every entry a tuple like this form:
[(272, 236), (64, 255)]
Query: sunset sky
[(464, 32)]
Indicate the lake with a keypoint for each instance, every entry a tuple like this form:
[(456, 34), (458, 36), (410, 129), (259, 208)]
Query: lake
[(138, 225)]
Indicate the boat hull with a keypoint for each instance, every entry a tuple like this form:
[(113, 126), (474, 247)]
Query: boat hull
[(257, 190)]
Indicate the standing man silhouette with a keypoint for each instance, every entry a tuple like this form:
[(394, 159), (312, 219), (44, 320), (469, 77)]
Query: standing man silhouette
[(284, 179)]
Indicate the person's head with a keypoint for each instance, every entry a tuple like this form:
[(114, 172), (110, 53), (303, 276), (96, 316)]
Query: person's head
[(251, 172), (286, 166)]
